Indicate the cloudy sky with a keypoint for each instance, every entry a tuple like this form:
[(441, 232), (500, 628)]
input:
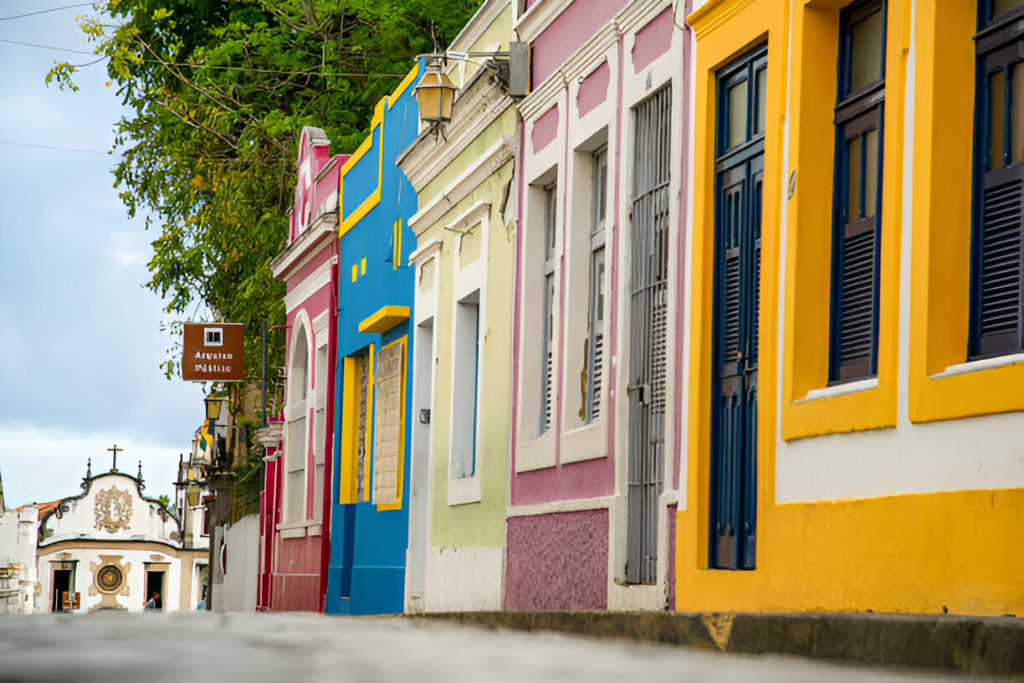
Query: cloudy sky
[(80, 338)]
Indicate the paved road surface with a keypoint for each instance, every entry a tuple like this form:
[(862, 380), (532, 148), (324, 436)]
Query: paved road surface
[(290, 648)]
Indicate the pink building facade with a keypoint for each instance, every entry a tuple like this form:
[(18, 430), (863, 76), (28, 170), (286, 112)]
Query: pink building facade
[(295, 509), (600, 249)]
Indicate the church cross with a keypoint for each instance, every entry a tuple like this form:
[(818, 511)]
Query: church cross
[(115, 449)]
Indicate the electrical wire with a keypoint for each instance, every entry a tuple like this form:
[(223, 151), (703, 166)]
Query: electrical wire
[(59, 149), (45, 47), (44, 11)]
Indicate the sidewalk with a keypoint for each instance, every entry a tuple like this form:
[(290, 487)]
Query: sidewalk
[(971, 645)]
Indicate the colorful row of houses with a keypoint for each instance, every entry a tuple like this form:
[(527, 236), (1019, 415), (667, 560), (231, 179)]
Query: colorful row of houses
[(724, 314)]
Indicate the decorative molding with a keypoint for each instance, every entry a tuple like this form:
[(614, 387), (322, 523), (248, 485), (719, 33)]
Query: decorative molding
[(305, 289), (531, 24), (322, 231), (464, 491), (577, 505), (587, 58), (426, 251), (712, 14), (484, 101), (113, 509), (477, 25), (487, 164)]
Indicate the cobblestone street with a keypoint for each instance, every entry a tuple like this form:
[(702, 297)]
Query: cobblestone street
[(306, 647)]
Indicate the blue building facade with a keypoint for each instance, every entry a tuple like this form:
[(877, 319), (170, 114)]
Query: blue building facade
[(370, 512)]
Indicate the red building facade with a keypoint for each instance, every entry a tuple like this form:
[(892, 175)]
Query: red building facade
[(295, 511)]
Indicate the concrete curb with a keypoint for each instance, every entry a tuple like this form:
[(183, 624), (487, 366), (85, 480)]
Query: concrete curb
[(972, 645)]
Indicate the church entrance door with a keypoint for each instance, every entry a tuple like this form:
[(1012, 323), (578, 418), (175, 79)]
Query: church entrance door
[(61, 585), (155, 584)]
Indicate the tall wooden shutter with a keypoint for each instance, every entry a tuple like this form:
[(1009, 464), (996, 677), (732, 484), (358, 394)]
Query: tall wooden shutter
[(997, 275)]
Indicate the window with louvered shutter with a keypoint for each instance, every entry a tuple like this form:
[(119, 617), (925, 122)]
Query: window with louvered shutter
[(857, 197), (997, 273), (595, 307), (547, 385)]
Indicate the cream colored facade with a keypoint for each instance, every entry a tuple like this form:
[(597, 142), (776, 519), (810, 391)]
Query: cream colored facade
[(463, 324)]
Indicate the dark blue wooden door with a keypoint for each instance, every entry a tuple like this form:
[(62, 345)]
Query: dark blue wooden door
[(739, 171)]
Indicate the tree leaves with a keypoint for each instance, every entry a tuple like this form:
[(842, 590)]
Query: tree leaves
[(217, 94)]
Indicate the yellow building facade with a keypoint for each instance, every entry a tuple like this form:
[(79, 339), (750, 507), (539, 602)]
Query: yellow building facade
[(881, 456)]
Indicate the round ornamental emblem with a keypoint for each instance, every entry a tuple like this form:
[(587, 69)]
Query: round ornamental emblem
[(109, 578), (113, 509)]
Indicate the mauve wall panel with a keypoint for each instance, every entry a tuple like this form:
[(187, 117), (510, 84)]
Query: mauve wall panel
[(567, 33), (557, 561)]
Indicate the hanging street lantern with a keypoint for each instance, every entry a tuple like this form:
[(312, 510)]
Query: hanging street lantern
[(435, 93)]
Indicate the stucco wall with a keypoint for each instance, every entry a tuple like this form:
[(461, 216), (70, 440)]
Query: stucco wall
[(557, 561), (239, 590)]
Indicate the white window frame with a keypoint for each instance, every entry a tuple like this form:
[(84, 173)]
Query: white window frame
[(469, 286), (296, 458), (320, 417), (535, 446)]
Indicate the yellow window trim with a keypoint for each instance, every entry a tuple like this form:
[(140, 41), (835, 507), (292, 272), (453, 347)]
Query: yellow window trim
[(384, 319), (368, 445), (941, 227), (809, 231), (373, 199), (748, 23), (346, 466), (400, 474), (348, 489)]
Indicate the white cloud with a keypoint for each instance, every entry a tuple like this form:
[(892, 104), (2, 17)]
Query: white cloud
[(39, 465)]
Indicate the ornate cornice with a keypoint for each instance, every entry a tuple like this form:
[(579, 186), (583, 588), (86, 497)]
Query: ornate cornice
[(712, 14), (480, 104), (488, 163), (322, 231), (588, 56)]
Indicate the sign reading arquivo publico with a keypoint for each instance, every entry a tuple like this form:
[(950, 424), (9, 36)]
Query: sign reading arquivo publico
[(212, 352)]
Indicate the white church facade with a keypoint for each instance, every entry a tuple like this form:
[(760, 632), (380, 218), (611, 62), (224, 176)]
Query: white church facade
[(111, 547)]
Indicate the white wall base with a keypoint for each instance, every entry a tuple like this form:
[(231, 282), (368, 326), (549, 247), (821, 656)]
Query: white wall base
[(464, 579)]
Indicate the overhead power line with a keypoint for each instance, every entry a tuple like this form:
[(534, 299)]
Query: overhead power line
[(59, 149), (45, 47), (44, 11)]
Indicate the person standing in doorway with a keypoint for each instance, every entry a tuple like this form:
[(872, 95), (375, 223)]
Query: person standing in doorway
[(153, 600)]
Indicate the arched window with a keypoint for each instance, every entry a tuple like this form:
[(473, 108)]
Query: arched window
[(296, 437)]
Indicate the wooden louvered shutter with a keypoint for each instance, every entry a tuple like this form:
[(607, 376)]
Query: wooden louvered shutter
[(997, 279), (857, 196)]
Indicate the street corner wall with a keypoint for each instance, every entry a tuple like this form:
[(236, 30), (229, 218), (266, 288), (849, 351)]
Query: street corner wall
[(243, 544), (557, 561)]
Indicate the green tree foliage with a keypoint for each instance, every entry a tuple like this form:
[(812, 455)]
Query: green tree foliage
[(217, 94)]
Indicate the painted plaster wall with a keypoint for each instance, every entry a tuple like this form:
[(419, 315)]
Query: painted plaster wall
[(366, 572), (243, 541), (292, 568), (132, 559), (584, 105), (147, 522), (465, 252), (568, 32), (475, 524), (464, 578), (18, 535), (866, 500), (557, 559)]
